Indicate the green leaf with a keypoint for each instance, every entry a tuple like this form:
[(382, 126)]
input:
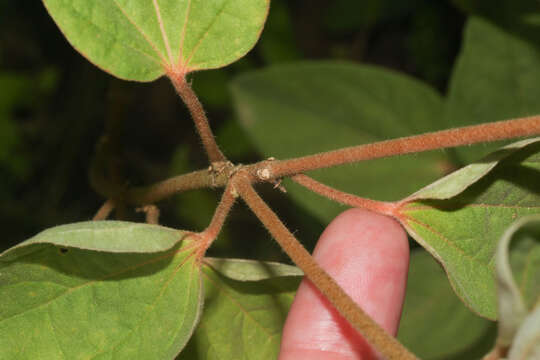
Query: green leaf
[(495, 78), (79, 304), (109, 236), (524, 236), (525, 261), (429, 301), (251, 270), (309, 107), (462, 232), (455, 183), (16, 89), (242, 319), (142, 40), (519, 17)]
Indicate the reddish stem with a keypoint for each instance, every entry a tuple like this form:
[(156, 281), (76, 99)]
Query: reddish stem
[(386, 344), (199, 117), (104, 211), (163, 189), (212, 231), (499, 130), (151, 212), (271, 170), (381, 207)]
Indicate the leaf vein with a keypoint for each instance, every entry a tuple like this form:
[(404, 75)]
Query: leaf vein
[(129, 332), (163, 32), (234, 301), (183, 36), (152, 45), (206, 32)]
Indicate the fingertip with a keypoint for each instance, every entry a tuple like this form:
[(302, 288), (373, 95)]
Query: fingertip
[(368, 255)]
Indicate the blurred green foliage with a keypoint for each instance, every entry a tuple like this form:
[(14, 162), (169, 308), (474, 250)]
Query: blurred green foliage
[(54, 106)]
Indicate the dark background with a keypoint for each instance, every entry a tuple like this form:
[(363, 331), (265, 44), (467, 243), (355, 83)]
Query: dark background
[(55, 105)]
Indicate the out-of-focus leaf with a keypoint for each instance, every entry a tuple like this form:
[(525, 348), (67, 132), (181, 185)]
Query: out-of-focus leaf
[(70, 303), (462, 231), (430, 300), (141, 40), (243, 319), (495, 78), (211, 87), (525, 248), (14, 89), (300, 109), (278, 43), (526, 345), (519, 17), (234, 141), (525, 262)]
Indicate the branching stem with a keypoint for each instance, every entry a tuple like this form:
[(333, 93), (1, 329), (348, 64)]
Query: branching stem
[(199, 117), (274, 170), (380, 207), (494, 131), (212, 231), (387, 345)]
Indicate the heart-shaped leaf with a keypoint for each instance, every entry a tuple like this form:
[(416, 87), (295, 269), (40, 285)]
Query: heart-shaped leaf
[(462, 231), (63, 302), (252, 311), (144, 39), (319, 106)]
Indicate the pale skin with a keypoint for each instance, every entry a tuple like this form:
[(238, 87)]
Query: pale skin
[(368, 255)]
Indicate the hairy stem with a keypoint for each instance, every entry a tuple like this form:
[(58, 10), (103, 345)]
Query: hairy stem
[(386, 344), (386, 208), (212, 231), (151, 213), (163, 189), (199, 118), (277, 169), (499, 130), (104, 211)]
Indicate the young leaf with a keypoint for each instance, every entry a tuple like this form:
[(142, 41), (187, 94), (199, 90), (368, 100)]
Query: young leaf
[(68, 303), (525, 253), (300, 109), (143, 40), (462, 231), (252, 298), (108, 236), (456, 182), (495, 78), (251, 270), (430, 301)]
